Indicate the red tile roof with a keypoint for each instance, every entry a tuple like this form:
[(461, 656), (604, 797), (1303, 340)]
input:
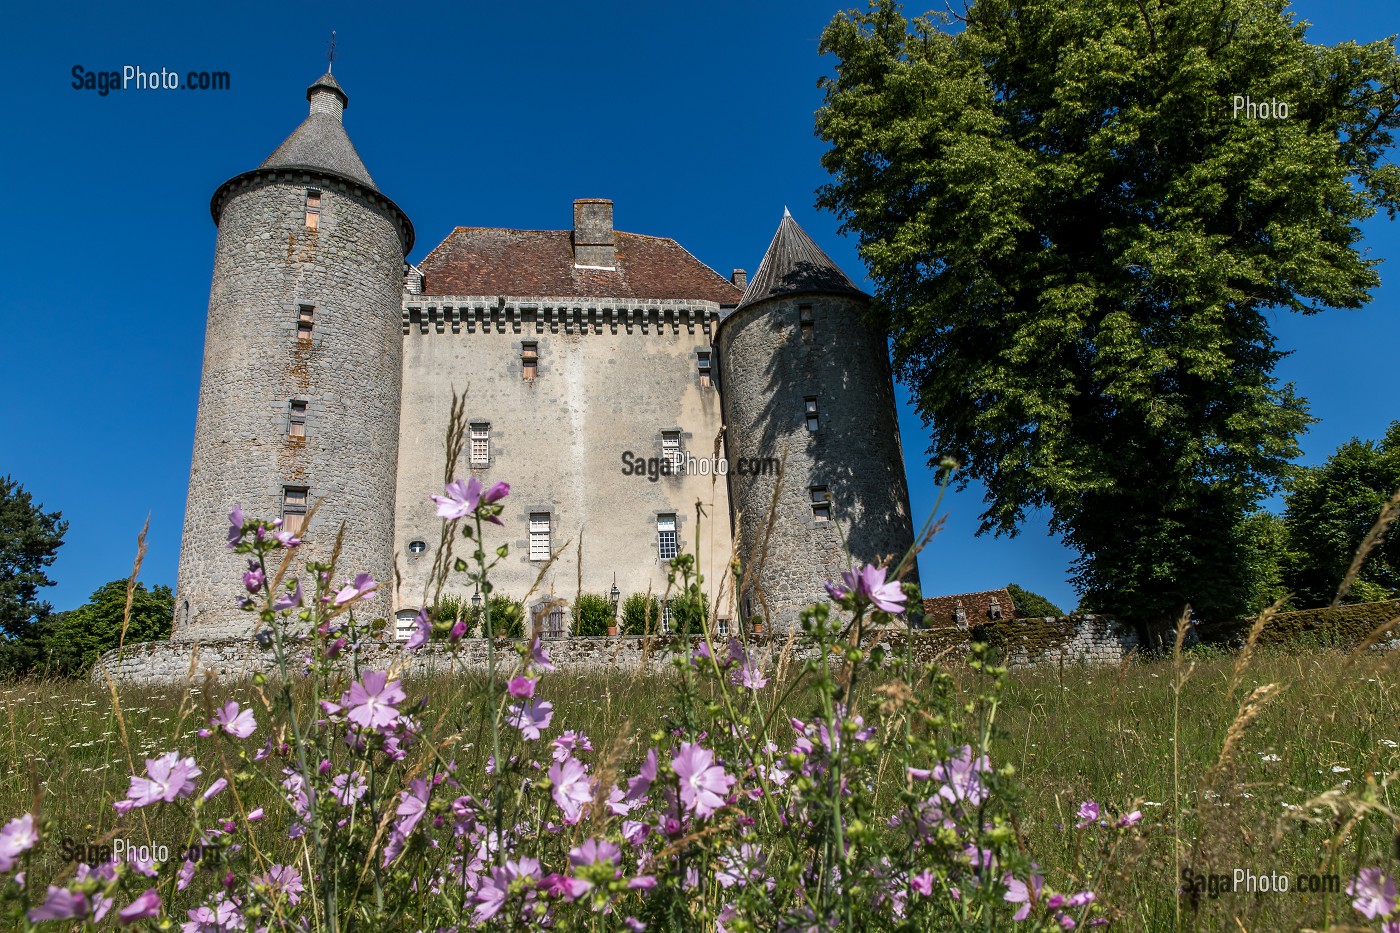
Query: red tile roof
[(978, 606), (540, 263)]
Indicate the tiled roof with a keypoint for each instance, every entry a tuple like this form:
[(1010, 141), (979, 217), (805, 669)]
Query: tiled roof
[(941, 609), (320, 143), (496, 261), (795, 265)]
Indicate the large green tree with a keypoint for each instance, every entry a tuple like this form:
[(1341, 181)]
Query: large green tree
[(1076, 243), (79, 636), (1328, 511), (29, 542)]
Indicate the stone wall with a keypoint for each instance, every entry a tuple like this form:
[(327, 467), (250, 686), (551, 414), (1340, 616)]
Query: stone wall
[(1036, 641)]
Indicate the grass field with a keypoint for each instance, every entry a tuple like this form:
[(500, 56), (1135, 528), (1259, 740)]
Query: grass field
[(1303, 786)]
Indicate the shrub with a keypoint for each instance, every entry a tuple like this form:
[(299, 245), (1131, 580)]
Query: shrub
[(507, 617), (592, 614), (641, 615), (451, 609)]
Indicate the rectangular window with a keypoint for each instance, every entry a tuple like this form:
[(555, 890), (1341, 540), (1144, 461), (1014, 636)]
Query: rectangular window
[(804, 318), (821, 504), (722, 628), (666, 536), (666, 617), (313, 209), (810, 406), (539, 536), (294, 508), (481, 445), (529, 359), (704, 357), (670, 445), (305, 321), (296, 420)]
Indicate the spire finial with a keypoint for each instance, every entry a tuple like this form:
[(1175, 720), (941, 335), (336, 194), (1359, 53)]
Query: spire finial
[(330, 57), (786, 212)]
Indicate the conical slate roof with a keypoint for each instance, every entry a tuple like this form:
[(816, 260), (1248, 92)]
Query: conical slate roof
[(320, 143), (795, 265)]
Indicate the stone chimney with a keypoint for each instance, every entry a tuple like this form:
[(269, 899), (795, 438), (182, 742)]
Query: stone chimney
[(739, 279), (594, 242)]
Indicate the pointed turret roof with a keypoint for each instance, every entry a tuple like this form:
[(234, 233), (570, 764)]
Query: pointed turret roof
[(321, 143), (795, 265)]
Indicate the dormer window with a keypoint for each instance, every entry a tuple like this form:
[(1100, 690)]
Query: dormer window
[(313, 208), (994, 608)]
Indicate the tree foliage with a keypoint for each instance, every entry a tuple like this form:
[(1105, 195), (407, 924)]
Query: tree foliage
[(80, 636), (1031, 605), (1328, 511), (29, 542), (1076, 243)]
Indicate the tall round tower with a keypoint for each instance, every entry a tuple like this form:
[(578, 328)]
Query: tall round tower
[(806, 382), (303, 358)]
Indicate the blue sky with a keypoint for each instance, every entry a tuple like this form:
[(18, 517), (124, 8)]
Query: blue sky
[(695, 118)]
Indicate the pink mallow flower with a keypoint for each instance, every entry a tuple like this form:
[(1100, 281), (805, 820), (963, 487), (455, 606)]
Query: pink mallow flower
[(1018, 892), (253, 577), (530, 717), (235, 525), (363, 586), (1373, 893), (18, 837), (237, 723), (145, 907), (1088, 813), (704, 784), (422, 631), (60, 904), (522, 688), (571, 788), (869, 585), (464, 499), (168, 778), (372, 699)]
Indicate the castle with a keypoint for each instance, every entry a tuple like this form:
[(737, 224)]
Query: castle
[(586, 357)]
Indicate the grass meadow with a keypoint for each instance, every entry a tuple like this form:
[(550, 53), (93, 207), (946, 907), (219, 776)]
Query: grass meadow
[(1281, 765)]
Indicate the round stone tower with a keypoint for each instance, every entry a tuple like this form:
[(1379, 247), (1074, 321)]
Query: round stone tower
[(303, 358), (806, 382)]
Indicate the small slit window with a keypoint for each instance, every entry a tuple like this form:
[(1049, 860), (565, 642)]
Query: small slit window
[(666, 543), (704, 363), (809, 406), (667, 617), (481, 444), (821, 504), (529, 359), (306, 320), (296, 420), (294, 508), (539, 536), (804, 319), (313, 209)]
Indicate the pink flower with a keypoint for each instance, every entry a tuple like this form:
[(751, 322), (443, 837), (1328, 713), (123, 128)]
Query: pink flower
[(282, 880), (363, 587), (704, 784), (869, 585), (835, 590), (530, 717), (145, 907), (18, 837), (255, 815), (1132, 819), (638, 786), (235, 521), (288, 600), (215, 789), (239, 724), (462, 499), (571, 788), (593, 852), (923, 882), (568, 743), (1373, 893), (422, 631), (60, 904), (413, 803), (1018, 892), (1088, 813), (253, 577), (167, 778), (522, 688), (540, 656), (372, 700)]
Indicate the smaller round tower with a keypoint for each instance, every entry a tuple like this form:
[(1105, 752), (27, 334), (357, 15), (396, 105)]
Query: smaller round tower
[(806, 381), (299, 398)]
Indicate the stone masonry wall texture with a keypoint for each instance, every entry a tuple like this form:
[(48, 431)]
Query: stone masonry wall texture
[(267, 265), (769, 368)]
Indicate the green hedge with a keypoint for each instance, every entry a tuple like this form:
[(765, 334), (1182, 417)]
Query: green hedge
[(1342, 627)]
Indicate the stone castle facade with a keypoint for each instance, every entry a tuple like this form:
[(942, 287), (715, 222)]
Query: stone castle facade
[(583, 355)]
